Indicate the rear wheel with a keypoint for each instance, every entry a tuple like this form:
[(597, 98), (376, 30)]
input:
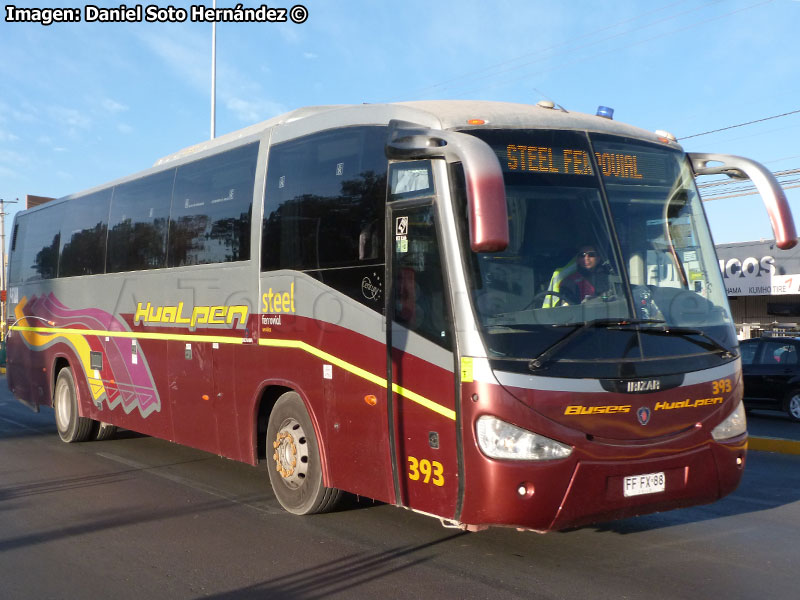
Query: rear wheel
[(103, 431), (295, 469), (71, 426), (792, 405)]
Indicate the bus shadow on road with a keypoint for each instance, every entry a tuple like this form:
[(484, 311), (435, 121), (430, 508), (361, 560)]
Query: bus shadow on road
[(79, 482), (770, 481), (341, 574)]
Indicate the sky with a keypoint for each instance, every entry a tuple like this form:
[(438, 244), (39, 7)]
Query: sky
[(85, 103)]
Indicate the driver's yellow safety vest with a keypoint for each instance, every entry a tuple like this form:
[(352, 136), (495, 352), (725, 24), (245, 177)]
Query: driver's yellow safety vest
[(559, 275)]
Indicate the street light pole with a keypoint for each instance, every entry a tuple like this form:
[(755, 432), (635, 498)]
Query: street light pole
[(3, 261), (214, 74)]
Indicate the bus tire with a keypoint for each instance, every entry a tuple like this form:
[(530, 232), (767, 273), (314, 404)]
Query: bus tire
[(295, 468), (103, 431), (71, 426)]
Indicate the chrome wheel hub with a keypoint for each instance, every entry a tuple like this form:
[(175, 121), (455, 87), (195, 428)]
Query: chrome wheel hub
[(63, 405), (291, 453)]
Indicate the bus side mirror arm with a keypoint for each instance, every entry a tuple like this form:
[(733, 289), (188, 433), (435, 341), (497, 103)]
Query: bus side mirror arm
[(486, 195), (736, 167)]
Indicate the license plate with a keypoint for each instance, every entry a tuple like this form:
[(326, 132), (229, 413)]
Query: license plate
[(637, 485)]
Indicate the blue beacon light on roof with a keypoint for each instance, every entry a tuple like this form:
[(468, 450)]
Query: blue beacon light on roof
[(605, 112)]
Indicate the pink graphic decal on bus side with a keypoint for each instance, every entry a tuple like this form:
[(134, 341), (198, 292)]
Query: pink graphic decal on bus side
[(124, 380)]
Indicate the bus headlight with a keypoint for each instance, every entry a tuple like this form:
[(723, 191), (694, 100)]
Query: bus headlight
[(734, 425), (498, 439)]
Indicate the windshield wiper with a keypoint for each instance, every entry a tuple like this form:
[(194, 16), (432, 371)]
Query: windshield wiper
[(685, 333), (580, 328)]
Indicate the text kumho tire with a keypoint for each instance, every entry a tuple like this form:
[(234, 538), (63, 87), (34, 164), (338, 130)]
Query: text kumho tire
[(295, 468)]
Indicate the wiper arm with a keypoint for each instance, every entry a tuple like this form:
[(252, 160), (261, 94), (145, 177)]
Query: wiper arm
[(580, 328), (686, 332)]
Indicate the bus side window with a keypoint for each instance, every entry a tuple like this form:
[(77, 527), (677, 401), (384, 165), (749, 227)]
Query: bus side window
[(324, 210), (211, 208), (37, 249), (17, 244), (83, 235), (137, 227)]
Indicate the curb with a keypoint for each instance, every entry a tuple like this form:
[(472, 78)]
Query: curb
[(768, 444)]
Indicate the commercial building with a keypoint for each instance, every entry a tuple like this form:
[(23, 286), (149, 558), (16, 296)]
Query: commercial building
[(763, 285)]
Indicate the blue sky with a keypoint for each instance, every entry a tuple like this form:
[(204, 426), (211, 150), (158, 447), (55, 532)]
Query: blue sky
[(85, 103)]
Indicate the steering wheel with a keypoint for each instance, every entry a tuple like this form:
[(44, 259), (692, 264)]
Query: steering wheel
[(539, 298)]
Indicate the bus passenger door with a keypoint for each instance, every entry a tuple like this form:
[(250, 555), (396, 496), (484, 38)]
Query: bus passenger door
[(421, 372)]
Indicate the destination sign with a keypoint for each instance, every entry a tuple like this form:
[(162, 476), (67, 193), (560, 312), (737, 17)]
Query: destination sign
[(624, 166), (545, 159), (569, 161)]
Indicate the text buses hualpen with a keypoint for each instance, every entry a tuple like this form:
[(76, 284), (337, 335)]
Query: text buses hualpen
[(367, 299)]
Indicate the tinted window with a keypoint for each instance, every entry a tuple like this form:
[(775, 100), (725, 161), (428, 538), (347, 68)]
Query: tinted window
[(36, 245), (210, 218), (410, 180), (83, 235), (137, 234), (748, 350), (324, 202), (420, 299), (776, 352), (15, 257)]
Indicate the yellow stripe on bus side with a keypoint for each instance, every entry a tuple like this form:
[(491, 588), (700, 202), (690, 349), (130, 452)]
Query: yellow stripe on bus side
[(274, 343), (177, 337), (351, 368), (429, 404)]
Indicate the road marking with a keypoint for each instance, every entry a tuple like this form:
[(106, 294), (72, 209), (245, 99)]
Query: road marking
[(39, 430)]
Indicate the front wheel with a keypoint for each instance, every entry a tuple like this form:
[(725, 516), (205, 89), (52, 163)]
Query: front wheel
[(295, 470), (71, 426), (792, 405)]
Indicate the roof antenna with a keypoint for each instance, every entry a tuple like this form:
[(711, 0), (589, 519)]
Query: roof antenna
[(550, 100)]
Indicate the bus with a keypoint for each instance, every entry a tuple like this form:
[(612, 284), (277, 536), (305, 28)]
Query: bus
[(374, 300)]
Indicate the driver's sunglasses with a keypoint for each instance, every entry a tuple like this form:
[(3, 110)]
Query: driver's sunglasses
[(590, 254)]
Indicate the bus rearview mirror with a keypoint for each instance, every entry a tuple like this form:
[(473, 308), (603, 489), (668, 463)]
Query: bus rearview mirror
[(486, 196), (737, 167)]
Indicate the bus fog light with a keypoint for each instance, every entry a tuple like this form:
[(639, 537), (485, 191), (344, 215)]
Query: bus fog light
[(498, 439), (734, 425)]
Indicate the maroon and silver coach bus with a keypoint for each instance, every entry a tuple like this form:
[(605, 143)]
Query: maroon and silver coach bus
[(380, 299)]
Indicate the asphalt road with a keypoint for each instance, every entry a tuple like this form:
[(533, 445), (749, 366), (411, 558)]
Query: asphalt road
[(137, 517)]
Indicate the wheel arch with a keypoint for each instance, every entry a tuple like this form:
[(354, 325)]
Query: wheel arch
[(61, 360), (268, 395)]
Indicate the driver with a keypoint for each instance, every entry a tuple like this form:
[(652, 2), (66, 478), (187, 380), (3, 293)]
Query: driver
[(590, 278)]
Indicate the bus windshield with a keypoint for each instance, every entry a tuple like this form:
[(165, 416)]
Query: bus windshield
[(610, 263)]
